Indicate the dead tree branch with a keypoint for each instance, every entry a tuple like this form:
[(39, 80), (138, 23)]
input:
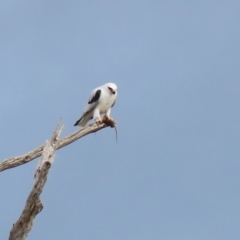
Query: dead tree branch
[(33, 205), (20, 160)]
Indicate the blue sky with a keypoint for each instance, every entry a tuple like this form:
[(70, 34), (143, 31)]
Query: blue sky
[(174, 173)]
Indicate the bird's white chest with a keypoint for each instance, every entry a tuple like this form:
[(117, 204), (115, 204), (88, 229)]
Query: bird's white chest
[(106, 102)]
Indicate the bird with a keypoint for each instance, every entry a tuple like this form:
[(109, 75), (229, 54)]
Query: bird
[(101, 101)]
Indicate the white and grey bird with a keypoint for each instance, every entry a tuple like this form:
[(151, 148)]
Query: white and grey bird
[(101, 100)]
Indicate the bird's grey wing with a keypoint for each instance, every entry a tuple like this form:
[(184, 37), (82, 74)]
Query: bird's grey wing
[(92, 103), (84, 119), (95, 97), (93, 100)]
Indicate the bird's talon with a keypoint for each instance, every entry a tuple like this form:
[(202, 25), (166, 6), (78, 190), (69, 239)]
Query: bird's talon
[(99, 121)]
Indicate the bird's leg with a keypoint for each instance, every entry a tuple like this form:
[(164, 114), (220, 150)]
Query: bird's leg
[(96, 116)]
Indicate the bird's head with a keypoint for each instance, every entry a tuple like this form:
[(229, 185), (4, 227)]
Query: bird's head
[(112, 88)]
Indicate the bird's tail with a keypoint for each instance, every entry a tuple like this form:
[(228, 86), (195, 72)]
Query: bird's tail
[(83, 120)]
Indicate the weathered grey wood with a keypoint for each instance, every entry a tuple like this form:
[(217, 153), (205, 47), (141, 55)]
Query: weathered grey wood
[(20, 160), (33, 205)]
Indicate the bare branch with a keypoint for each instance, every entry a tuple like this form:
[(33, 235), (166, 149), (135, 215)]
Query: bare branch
[(20, 160), (33, 205)]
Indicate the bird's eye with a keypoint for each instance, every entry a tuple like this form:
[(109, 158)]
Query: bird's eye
[(111, 90)]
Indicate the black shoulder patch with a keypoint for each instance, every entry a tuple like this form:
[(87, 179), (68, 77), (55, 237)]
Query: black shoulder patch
[(95, 97)]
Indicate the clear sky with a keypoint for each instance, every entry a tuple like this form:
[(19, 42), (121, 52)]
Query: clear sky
[(174, 173)]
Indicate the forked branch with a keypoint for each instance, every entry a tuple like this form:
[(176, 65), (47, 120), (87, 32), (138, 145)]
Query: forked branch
[(17, 161)]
